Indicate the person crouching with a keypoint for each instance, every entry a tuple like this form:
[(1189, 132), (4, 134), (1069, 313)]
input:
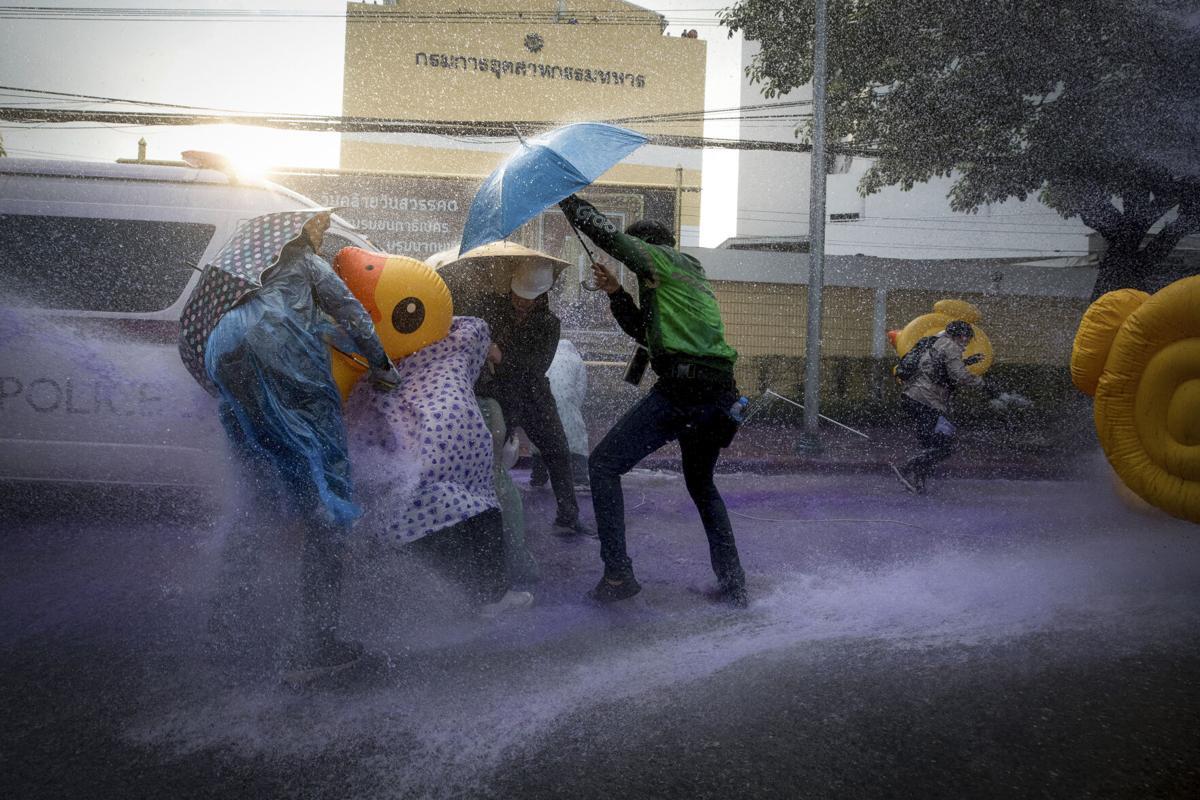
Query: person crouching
[(424, 454)]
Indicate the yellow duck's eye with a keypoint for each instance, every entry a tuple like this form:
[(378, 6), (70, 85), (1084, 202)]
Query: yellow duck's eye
[(408, 315)]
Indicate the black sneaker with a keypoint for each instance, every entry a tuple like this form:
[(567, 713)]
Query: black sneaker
[(575, 528), (730, 595), (323, 661), (906, 480), (607, 591), (334, 653), (538, 474)]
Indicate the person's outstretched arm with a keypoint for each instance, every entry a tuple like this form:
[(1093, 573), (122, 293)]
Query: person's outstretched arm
[(335, 299), (956, 369), (629, 250), (621, 304)]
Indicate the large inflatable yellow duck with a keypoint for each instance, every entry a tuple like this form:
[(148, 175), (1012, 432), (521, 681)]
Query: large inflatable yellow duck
[(1139, 356), (407, 300), (945, 312)]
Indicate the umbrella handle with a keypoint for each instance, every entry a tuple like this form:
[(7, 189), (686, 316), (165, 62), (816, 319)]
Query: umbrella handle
[(579, 236), (591, 287)]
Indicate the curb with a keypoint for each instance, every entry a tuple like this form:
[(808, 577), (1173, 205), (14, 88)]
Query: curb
[(793, 465)]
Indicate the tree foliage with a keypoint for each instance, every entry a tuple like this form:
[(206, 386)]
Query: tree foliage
[(1091, 105)]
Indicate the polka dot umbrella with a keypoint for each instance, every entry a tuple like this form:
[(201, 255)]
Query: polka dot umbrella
[(233, 275)]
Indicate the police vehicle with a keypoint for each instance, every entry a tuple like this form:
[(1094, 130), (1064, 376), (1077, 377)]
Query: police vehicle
[(96, 262)]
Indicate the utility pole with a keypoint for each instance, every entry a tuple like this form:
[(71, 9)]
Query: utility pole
[(810, 440), (679, 205)]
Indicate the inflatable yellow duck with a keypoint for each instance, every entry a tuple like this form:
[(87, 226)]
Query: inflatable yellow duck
[(407, 300), (1139, 356), (945, 312)]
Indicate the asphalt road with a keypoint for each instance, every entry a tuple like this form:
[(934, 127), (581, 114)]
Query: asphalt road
[(994, 639)]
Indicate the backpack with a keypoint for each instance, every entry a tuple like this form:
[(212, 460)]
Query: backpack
[(910, 364)]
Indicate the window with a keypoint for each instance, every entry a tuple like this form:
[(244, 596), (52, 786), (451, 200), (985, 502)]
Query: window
[(838, 163), (90, 264), (332, 244)]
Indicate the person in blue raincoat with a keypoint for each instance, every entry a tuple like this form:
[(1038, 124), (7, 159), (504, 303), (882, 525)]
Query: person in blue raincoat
[(282, 413)]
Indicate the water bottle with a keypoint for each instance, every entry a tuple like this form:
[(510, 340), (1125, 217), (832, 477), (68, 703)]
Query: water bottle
[(738, 409)]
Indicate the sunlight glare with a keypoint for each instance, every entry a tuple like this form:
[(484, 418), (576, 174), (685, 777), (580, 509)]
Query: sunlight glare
[(254, 152)]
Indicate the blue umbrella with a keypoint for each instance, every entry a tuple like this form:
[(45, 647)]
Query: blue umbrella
[(543, 171)]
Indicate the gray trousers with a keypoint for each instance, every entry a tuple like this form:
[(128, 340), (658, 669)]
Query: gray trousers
[(518, 560)]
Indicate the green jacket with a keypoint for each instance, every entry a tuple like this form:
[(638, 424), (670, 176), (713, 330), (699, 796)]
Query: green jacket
[(680, 314)]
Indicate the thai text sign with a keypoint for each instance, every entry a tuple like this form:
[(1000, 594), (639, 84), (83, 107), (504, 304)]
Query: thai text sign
[(532, 69)]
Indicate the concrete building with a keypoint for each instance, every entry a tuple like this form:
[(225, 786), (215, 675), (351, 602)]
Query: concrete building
[(539, 62)]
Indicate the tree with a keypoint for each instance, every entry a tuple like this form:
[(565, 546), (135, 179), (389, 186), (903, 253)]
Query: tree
[(1091, 105)]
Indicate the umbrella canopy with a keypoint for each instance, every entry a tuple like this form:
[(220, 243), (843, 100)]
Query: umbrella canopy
[(488, 269), (235, 272), (544, 170)]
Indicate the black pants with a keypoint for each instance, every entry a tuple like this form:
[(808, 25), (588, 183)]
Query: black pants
[(537, 415), (264, 507), (936, 447), (322, 557), (699, 420), (471, 553), (538, 474)]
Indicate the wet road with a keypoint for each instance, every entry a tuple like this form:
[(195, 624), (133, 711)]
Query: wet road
[(995, 639)]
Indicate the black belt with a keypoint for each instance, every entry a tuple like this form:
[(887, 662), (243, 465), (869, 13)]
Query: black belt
[(690, 370)]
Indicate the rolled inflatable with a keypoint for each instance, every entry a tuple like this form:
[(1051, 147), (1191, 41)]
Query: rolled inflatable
[(407, 300), (945, 312), (1127, 496), (1095, 335), (1147, 408), (958, 309)]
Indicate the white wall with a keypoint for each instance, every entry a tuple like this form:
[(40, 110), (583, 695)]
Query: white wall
[(920, 224), (772, 194), (722, 89)]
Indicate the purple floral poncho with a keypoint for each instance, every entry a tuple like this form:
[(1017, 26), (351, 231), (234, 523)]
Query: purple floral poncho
[(422, 454)]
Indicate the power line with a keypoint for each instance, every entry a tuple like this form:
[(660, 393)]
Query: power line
[(694, 115), (609, 16), (765, 122), (708, 111), (838, 243), (333, 123), (343, 124), (123, 100), (374, 11)]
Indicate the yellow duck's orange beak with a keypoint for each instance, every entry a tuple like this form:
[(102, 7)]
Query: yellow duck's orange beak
[(361, 271), (407, 300)]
